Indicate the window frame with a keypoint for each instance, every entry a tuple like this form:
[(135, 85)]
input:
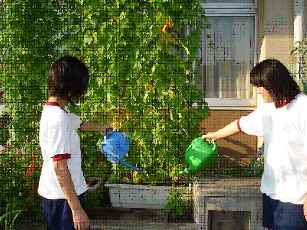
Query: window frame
[(232, 10)]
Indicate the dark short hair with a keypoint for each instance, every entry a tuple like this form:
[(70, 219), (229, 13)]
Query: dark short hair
[(68, 79), (272, 75)]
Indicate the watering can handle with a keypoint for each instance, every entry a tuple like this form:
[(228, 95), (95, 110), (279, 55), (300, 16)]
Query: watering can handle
[(108, 131), (213, 144)]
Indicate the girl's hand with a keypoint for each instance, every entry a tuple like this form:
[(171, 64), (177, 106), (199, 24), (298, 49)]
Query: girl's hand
[(107, 129), (80, 219), (228, 130), (210, 136)]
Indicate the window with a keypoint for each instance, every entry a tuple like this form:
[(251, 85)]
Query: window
[(228, 52), (230, 1)]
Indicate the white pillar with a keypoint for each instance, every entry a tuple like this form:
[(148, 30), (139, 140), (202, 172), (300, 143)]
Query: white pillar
[(299, 32)]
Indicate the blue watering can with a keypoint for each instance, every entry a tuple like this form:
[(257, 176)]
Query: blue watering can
[(115, 147)]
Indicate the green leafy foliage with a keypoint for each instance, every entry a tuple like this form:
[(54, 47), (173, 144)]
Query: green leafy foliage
[(27, 49), (176, 204), (255, 168), (141, 55), (8, 218), (143, 80), (300, 52), (19, 180), (4, 132)]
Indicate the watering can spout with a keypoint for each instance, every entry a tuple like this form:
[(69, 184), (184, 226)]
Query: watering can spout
[(128, 165), (185, 171)]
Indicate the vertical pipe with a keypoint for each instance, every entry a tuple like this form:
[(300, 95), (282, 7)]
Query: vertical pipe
[(299, 34)]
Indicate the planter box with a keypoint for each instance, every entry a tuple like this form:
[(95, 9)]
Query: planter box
[(138, 196)]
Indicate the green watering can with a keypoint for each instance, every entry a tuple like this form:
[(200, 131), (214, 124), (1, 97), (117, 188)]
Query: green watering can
[(199, 154)]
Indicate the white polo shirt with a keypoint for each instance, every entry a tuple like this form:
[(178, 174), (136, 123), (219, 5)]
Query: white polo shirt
[(284, 131), (58, 135)]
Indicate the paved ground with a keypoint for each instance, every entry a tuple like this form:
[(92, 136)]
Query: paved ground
[(121, 219), (138, 219), (141, 225)]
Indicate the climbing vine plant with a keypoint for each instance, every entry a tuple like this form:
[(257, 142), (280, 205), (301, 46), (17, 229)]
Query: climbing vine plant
[(300, 52), (142, 56)]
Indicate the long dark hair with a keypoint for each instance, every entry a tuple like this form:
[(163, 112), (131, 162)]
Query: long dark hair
[(68, 79), (272, 75)]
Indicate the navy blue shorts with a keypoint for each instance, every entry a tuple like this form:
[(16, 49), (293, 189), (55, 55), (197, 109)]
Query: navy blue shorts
[(278, 215), (57, 213)]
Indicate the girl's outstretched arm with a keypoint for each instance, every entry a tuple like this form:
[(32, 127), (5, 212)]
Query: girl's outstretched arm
[(228, 130), (96, 127)]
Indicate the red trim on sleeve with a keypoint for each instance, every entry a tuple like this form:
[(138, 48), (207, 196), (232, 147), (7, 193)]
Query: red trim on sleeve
[(238, 125), (52, 103), (59, 157)]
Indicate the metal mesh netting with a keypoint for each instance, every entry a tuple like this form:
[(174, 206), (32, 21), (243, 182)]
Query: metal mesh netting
[(143, 58)]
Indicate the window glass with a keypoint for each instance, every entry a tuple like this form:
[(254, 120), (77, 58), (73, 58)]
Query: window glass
[(227, 57), (229, 1)]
